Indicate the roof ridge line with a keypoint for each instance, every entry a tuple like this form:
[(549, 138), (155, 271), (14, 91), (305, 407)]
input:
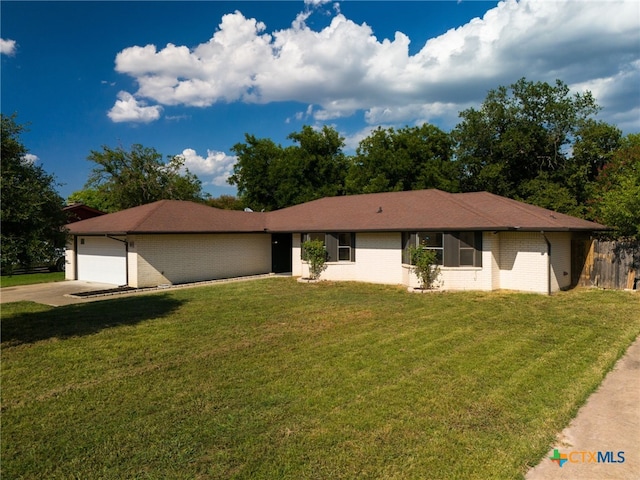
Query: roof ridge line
[(457, 199), (151, 211), (522, 206)]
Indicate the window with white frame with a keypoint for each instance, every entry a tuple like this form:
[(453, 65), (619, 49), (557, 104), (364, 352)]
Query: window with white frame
[(344, 247), (466, 249)]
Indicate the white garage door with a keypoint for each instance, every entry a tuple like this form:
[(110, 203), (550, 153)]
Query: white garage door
[(102, 259)]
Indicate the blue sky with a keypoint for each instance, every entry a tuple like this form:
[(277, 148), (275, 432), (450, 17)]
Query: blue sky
[(191, 78)]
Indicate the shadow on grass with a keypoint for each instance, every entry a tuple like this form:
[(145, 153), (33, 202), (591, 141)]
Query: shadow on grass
[(20, 324)]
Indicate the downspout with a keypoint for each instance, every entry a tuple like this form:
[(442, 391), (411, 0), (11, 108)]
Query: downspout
[(126, 257), (548, 262), (75, 259)]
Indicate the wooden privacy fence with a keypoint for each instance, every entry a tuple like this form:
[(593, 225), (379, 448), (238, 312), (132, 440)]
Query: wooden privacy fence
[(606, 264)]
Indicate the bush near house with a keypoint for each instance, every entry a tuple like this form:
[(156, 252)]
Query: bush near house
[(315, 254), (425, 265), (276, 379)]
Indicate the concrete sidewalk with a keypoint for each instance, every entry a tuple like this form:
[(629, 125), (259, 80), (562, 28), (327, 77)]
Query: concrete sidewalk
[(608, 422)]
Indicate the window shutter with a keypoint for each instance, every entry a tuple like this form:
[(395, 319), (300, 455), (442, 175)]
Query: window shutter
[(478, 246), (353, 247), (331, 243), (451, 245), (408, 240)]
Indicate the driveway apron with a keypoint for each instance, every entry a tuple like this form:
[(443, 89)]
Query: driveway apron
[(53, 294)]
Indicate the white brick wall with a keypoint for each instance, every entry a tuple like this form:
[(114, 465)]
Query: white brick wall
[(379, 257), (70, 260), (492, 248), (523, 262), (511, 260), (298, 268), (464, 278), (161, 259), (378, 260)]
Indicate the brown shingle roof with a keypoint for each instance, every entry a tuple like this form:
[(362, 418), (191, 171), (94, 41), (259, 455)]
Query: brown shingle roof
[(171, 216), (394, 211), (422, 210)]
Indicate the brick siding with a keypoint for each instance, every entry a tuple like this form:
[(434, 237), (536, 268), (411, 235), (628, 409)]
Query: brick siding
[(171, 259)]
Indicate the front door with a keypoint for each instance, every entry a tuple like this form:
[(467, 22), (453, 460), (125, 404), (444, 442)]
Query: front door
[(281, 252)]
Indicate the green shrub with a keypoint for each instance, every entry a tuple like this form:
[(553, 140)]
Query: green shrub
[(425, 265), (314, 253)]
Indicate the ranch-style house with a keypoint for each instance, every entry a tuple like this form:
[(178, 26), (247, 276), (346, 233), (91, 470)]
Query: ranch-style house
[(483, 241)]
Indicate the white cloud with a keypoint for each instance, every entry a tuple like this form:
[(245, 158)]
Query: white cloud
[(7, 47), (30, 158), (315, 3), (619, 94), (215, 169), (344, 68), (129, 109)]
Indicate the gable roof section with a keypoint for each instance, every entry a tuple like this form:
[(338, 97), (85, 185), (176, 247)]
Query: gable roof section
[(171, 216), (392, 211), (79, 211)]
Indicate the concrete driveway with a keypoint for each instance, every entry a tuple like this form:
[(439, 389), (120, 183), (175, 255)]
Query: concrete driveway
[(603, 441), (55, 294), (52, 293)]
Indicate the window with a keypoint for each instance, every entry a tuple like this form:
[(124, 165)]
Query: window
[(466, 249), (344, 247), (313, 236), (453, 249), (307, 237), (341, 247), (432, 241)]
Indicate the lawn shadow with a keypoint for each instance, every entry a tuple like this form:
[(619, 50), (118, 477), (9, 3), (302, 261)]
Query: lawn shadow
[(86, 319)]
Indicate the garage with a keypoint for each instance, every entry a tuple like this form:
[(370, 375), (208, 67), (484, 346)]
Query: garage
[(102, 259)]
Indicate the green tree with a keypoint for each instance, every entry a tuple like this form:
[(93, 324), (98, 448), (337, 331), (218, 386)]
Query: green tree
[(253, 172), (411, 158), (319, 163), (616, 198), (92, 198), (32, 216), (594, 145), (269, 176), (225, 202), (519, 143), (124, 179)]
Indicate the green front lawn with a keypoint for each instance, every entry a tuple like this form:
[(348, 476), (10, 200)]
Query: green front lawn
[(275, 379), (30, 278)]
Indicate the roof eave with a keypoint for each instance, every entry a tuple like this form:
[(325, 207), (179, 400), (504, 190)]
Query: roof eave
[(188, 232), (98, 234)]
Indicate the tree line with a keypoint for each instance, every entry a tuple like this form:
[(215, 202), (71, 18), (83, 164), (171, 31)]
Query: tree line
[(531, 141)]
